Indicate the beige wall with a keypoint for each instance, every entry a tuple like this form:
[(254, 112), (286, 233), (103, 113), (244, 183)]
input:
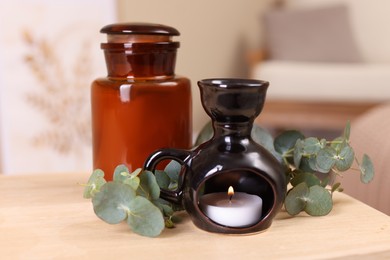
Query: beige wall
[(214, 36)]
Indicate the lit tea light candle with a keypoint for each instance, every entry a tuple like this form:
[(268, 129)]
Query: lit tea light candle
[(232, 209)]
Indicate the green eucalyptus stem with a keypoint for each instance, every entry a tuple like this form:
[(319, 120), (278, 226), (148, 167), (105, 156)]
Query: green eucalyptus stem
[(335, 142)]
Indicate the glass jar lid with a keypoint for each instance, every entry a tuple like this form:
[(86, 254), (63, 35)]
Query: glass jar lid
[(138, 32)]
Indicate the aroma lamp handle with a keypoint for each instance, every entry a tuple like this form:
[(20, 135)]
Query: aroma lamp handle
[(168, 154)]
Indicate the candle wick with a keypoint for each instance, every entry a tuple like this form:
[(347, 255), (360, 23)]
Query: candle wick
[(230, 198)]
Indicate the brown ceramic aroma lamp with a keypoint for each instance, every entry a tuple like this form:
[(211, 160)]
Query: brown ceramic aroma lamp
[(230, 160)]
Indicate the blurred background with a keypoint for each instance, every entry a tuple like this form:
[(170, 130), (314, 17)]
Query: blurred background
[(327, 61)]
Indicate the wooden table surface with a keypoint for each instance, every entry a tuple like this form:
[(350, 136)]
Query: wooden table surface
[(45, 217)]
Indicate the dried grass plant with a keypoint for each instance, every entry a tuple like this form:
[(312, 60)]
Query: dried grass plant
[(59, 97)]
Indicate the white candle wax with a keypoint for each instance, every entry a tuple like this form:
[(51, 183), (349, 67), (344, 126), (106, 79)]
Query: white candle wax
[(241, 211)]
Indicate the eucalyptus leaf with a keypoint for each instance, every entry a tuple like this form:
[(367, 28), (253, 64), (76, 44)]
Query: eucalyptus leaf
[(173, 170), (286, 141), (206, 133), (308, 164), (148, 186), (162, 179), (345, 158), (308, 178), (167, 210), (298, 152), (295, 200), (111, 204), (164, 206), (144, 218), (312, 161), (121, 173), (326, 158), (265, 139), (319, 201), (133, 182), (366, 169), (311, 145), (347, 131), (95, 182)]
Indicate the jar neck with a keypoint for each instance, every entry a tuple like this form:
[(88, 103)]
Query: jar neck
[(242, 129), (142, 60)]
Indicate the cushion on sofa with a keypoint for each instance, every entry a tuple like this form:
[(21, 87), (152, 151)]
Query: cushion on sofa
[(322, 34), (369, 20)]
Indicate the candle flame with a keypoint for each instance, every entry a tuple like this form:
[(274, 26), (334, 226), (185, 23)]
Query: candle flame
[(230, 192)]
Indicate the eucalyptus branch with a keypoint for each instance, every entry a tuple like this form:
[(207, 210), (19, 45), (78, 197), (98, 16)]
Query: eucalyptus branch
[(303, 159)]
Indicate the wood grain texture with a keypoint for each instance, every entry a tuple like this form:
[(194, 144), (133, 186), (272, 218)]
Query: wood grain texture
[(45, 216)]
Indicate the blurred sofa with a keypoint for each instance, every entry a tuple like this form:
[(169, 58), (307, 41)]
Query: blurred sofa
[(329, 61), (323, 53)]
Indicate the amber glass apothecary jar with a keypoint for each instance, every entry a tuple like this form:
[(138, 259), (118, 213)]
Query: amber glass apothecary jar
[(141, 105)]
